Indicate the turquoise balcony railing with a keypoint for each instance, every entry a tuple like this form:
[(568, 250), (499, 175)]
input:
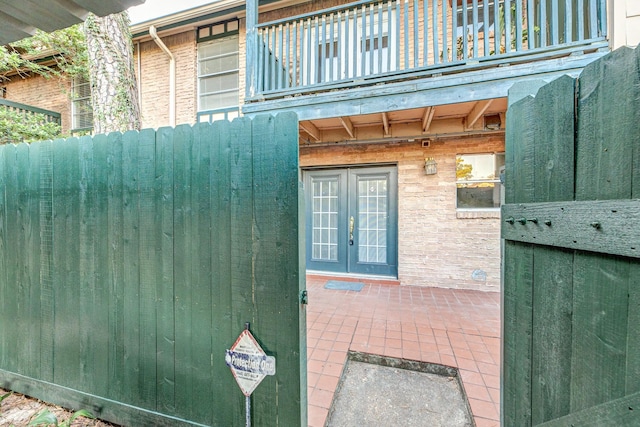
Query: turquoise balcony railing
[(368, 42)]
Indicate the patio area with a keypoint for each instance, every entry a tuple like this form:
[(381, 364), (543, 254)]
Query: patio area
[(458, 328)]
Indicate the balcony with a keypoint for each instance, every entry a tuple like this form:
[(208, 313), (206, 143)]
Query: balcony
[(35, 123), (372, 42)]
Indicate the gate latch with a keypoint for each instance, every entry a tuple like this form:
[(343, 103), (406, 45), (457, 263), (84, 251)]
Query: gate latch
[(304, 298)]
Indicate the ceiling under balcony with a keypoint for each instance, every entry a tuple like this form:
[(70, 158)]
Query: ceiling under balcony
[(429, 123), (20, 19)]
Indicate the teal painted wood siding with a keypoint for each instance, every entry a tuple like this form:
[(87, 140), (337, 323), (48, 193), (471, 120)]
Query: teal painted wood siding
[(130, 262), (572, 261)]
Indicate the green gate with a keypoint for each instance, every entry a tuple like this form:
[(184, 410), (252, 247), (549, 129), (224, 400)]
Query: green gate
[(130, 262), (571, 226)]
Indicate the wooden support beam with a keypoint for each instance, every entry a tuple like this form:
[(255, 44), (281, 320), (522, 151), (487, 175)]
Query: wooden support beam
[(427, 118), (503, 120), (311, 129), (348, 125), (476, 112), (385, 124)]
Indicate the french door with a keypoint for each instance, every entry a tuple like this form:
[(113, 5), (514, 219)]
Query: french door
[(351, 216)]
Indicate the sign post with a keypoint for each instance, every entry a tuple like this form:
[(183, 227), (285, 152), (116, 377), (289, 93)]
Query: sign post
[(249, 365)]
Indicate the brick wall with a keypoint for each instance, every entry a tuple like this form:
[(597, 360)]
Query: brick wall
[(436, 245), (154, 84), (51, 94)]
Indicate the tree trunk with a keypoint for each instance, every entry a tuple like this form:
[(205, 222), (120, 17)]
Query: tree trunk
[(114, 94)]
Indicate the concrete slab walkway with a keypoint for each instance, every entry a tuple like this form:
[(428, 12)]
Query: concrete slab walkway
[(458, 328)]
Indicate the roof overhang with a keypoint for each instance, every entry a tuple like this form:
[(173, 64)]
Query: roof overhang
[(21, 19), (215, 11)]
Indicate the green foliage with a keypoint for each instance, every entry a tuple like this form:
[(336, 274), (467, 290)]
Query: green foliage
[(46, 418), (16, 126), (66, 48), (3, 397)]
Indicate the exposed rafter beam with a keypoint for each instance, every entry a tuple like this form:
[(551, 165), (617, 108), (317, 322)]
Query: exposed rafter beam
[(311, 129), (427, 118), (477, 111), (385, 124), (348, 126), (503, 120)]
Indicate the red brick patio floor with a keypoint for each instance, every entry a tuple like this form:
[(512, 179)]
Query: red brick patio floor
[(459, 328)]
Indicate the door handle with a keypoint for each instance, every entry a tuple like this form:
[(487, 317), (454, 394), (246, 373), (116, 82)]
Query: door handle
[(351, 226)]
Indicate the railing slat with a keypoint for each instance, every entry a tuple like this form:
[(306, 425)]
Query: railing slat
[(593, 19), (445, 50), (347, 40), (416, 33), (398, 42), (274, 65), (519, 24), (308, 53), (294, 53), (315, 52), (485, 10), (434, 25), (603, 18), (580, 18), (380, 48), (331, 48), (323, 50), (465, 30), (390, 34), (339, 43), (355, 43), (371, 39), (568, 22), (543, 24), (555, 30), (406, 33), (282, 57), (507, 26), (363, 40), (474, 12), (497, 33), (425, 31)]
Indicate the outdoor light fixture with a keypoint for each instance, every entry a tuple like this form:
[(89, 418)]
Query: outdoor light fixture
[(430, 166)]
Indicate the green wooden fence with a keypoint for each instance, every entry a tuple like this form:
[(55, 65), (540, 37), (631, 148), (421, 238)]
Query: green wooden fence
[(572, 247), (130, 262)]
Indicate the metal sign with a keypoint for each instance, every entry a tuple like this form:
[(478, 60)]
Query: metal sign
[(249, 363)]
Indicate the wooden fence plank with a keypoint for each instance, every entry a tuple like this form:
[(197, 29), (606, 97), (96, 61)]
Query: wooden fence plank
[(116, 265), (5, 320), (46, 259), (100, 302), (201, 310), (66, 253), (620, 413), (599, 329), (632, 373), (552, 281), (183, 252), (86, 266), (150, 265), (165, 288), (518, 283), (220, 235), (275, 256), (12, 259), (607, 136), (131, 277), (19, 256), (242, 285)]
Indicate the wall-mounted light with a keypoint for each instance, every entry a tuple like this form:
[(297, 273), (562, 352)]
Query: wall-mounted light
[(430, 166)]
